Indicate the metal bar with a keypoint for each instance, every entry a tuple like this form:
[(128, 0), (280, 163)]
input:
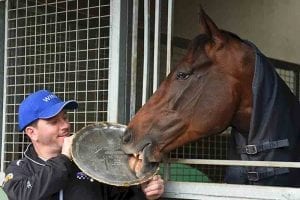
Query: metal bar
[(98, 58), (169, 35), (135, 15), (3, 139), (15, 137), (219, 191), (86, 65), (114, 49), (156, 45), (26, 34), (236, 162), (55, 45), (297, 84), (45, 45), (66, 50), (166, 171), (76, 63), (146, 51)]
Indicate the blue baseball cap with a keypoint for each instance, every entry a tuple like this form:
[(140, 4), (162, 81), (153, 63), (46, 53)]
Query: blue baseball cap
[(41, 105)]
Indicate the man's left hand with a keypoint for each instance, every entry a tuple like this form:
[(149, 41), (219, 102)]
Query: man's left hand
[(154, 188)]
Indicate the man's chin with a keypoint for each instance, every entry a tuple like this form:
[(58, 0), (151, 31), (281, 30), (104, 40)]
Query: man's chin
[(60, 142)]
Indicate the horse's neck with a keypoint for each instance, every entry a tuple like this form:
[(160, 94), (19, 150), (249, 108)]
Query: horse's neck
[(242, 117), (241, 121)]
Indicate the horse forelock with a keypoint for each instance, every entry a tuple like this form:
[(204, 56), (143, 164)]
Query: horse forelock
[(198, 44)]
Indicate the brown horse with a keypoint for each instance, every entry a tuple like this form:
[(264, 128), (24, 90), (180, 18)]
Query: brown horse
[(222, 81)]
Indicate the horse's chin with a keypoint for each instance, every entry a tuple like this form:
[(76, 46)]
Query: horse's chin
[(143, 162)]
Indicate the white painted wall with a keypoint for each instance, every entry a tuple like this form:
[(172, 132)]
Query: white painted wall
[(273, 25)]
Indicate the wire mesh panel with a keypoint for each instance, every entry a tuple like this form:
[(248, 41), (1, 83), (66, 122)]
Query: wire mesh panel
[(62, 46), (290, 77)]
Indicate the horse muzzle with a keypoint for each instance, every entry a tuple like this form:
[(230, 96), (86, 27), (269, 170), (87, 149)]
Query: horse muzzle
[(141, 156)]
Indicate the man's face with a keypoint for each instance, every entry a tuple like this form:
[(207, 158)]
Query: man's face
[(50, 133)]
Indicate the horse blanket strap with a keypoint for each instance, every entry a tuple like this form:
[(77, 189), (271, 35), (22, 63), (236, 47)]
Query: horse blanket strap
[(254, 149), (268, 172)]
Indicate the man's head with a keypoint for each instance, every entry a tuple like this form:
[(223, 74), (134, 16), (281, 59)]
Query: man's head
[(41, 105), (43, 118)]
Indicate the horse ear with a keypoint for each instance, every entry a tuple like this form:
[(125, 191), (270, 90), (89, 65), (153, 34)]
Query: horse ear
[(207, 26)]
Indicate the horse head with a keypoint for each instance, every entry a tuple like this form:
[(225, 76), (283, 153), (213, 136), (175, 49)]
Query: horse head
[(207, 91)]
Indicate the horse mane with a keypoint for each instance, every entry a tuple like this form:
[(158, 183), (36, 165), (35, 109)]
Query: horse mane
[(199, 41)]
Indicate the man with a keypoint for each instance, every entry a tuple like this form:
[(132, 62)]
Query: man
[(46, 171)]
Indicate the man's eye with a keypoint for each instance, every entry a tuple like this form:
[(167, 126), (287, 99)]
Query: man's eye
[(183, 75), (66, 118)]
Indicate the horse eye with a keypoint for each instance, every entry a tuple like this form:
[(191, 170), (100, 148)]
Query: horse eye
[(182, 75)]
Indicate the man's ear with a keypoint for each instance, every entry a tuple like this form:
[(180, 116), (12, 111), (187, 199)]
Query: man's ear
[(32, 133)]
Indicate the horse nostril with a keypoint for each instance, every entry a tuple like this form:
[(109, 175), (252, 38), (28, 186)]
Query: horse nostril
[(126, 137)]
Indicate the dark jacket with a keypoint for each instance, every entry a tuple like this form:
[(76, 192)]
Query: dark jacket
[(274, 133), (58, 178)]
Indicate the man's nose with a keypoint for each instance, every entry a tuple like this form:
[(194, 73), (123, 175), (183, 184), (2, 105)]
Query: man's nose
[(65, 123)]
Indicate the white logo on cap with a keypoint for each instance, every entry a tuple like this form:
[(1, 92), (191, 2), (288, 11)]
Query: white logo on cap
[(49, 97)]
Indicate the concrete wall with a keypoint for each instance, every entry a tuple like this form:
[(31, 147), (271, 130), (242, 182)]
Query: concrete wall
[(273, 25)]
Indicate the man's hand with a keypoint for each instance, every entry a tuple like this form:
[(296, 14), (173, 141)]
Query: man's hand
[(154, 188), (66, 148)]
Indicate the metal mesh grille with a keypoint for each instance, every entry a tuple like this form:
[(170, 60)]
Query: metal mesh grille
[(62, 46), (289, 77)]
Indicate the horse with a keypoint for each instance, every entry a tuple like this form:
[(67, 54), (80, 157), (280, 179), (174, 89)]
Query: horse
[(222, 81)]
